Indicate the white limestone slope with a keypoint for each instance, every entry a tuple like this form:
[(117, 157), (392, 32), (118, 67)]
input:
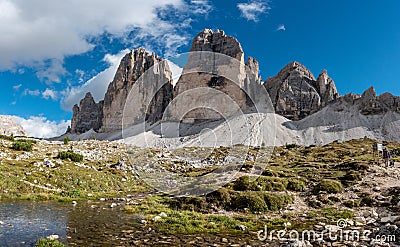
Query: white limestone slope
[(332, 123)]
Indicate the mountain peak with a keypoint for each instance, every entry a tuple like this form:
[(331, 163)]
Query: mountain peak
[(296, 93), (8, 126), (217, 41), (370, 93)]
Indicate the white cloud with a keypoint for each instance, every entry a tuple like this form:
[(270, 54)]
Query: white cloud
[(42, 33), (81, 74), (253, 9), (97, 85), (31, 92), (17, 87), (201, 6), (49, 94), (51, 71), (281, 27), (41, 127)]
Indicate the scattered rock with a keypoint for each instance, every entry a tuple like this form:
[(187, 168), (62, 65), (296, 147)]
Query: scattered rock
[(157, 218), (163, 215), (296, 243), (49, 163), (53, 237), (242, 227), (390, 219)]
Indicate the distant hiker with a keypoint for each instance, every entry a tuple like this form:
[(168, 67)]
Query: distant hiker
[(386, 156)]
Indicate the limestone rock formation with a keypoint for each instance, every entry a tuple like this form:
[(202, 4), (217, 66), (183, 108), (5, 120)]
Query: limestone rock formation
[(370, 104), (88, 115), (326, 88), (295, 93), (146, 99), (214, 80), (217, 41), (9, 127)]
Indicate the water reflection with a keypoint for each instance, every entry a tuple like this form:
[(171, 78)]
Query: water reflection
[(23, 223)]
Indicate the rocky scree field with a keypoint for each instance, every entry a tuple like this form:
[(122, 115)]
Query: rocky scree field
[(302, 188)]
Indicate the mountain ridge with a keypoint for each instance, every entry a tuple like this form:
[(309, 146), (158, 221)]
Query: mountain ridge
[(296, 94)]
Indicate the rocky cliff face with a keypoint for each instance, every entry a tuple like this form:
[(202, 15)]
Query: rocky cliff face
[(370, 104), (295, 93), (214, 79), (9, 127), (132, 67), (88, 115)]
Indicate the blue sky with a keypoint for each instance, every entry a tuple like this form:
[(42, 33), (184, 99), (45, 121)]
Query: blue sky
[(52, 52)]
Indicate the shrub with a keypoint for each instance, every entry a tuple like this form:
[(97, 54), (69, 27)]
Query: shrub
[(22, 145), (10, 138), (70, 155), (251, 200), (352, 203), (48, 243), (221, 197), (242, 184), (296, 185), (66, 140), (277, 201), (351, 178), (269, 184), (71, 194), (329, 186), (291, 146), (198, 204)]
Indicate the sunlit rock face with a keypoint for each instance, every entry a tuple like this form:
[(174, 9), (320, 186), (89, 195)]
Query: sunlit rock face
[(215, 82)]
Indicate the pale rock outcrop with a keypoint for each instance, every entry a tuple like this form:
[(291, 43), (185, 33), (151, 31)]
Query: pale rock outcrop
[(326, 88), (9, 127), (295, 93), (148, 99), (214, 80), (88, 115)]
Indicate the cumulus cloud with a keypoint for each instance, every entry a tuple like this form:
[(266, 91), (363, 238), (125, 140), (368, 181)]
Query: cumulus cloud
[(42, 33), (201, 6), (51, 71), (253, 9), (49, 94), (31, 92), (281, 27), (17, 87), (97, 85), (41, 127)]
